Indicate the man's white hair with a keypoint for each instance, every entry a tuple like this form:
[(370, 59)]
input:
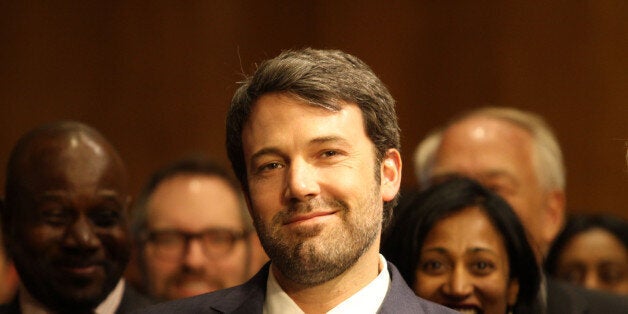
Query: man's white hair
[(548, 157)]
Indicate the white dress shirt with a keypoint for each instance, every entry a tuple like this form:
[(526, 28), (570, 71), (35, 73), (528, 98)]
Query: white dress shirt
[(366, 300)]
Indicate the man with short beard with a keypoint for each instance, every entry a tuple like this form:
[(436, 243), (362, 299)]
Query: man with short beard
[(64, 223), (313, 138)]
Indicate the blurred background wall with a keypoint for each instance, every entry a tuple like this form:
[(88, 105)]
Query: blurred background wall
[(156, 77)]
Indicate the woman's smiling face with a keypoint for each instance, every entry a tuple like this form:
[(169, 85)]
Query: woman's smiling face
[(464, 265)]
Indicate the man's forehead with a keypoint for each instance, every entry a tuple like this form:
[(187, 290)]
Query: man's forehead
[(485, 128)]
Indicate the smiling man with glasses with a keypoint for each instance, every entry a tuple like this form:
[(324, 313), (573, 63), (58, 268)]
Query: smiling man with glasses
[(193, 231)]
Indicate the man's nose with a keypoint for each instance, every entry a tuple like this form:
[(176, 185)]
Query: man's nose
[(195, 256), (302, 181), (591, 280), (80, 234)]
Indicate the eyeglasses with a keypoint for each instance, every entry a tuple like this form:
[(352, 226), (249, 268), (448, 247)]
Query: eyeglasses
[(173, 244)]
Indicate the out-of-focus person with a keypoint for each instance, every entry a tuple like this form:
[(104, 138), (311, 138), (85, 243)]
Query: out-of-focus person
[(516, 154), (461, 245), (193, 231), (64, 223), (592, 251), (8, 276)]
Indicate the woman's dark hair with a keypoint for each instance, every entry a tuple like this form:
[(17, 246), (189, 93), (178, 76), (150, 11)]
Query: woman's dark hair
[(417, 218), (577, 224)]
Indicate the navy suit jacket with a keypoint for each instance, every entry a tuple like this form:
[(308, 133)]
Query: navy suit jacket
[(131, 301), (249, 298), (564, 298)]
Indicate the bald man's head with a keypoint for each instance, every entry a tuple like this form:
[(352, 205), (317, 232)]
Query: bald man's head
[(65, 219)]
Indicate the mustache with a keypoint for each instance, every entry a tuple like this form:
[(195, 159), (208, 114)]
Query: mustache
[(188, 274), (300, 207)]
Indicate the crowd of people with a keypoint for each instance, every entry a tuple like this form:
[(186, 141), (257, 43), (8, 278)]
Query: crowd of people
[(309, 217)]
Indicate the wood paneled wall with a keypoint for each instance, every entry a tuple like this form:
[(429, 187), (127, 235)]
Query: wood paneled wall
[(156, 77)]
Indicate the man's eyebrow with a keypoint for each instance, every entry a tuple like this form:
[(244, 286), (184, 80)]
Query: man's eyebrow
[(492, 174), (265, 151), (330, 139), (52, 194), (316, 141)]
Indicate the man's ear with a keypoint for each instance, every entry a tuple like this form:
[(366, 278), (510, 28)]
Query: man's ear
[(554, 216), (390, 174)]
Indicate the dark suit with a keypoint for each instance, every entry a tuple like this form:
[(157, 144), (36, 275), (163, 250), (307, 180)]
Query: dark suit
[(249, 298), (563, 298), (131, 301)]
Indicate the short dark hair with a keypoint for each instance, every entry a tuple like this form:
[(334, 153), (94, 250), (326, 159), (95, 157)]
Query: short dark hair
[(191, 165), (417, 218), (321, 78), (577, 224)]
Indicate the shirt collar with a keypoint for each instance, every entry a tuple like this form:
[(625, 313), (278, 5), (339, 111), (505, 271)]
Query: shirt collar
[(366, 300), (29, 305)]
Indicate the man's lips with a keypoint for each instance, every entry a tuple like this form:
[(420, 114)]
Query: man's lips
[(307, 216), (84, 269)]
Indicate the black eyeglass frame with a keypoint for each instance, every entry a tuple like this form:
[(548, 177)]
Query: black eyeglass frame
[(229, 238)]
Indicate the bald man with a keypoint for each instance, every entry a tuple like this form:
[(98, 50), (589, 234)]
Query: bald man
[(516, 154), (65, 223)]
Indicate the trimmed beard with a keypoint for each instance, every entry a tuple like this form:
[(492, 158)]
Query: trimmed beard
[(316, 255)]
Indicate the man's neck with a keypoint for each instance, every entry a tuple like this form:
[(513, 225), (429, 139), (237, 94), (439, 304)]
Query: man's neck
[(324, 297)]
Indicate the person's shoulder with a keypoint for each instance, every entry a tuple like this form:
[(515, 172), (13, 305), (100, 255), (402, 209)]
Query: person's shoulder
[(582, 300), (245, 298), (133, 300), (401, 299), (221, 301)]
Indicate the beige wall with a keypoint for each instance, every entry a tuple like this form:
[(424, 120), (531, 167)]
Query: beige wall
[(157, 79)]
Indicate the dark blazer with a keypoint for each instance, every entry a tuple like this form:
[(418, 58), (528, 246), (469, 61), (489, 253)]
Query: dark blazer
[(249, 298), (131, 301), (564, 298)]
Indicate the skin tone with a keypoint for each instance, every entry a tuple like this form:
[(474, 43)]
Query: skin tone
[(314, 198), (464, 265), (595, 259), (70, 242), (8, 277), (500, 156), (188, 203)]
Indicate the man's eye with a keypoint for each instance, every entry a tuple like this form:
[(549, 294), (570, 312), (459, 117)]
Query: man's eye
[(330, 153), (270, 166), (105, 218), (54, 213), (57, 217)]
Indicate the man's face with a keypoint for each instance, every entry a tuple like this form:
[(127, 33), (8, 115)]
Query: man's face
[(500, 156), (193, 204), (314, 196), (70, 245)]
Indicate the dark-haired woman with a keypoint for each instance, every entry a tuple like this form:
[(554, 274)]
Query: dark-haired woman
[(592, 251), (461, 245)]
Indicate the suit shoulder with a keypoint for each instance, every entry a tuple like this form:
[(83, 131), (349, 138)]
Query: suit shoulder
[(583, 300), (204, 303), (133, 300)]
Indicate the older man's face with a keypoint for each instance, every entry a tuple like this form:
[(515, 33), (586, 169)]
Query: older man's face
[(500, 156), (70, 239)]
